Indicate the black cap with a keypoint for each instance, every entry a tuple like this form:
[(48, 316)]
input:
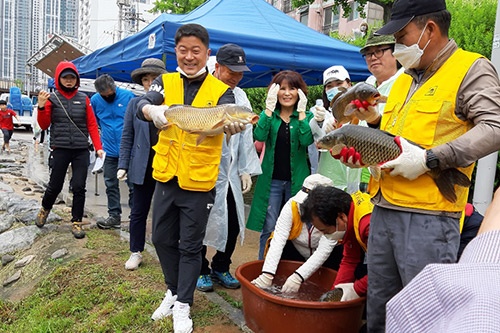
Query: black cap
[(403, 11), (68, 71), (233, 57), (3, 102)]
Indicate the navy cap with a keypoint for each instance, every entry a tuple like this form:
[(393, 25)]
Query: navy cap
[(403, 11), (233, 57)]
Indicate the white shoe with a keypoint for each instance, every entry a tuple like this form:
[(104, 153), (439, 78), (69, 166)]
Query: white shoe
[(165, 308), (134, 261), (182, 318)]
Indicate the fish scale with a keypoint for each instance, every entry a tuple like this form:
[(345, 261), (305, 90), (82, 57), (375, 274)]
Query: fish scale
[(374, 146)]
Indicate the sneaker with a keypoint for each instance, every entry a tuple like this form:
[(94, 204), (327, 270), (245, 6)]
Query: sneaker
[(112, 222), (205, 283), (77, 230), (41, 217), (134, 261), (182, 318), (225, 279), (165, 308)]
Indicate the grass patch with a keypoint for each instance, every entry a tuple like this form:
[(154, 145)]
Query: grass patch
[(96, 294), (234, 303)]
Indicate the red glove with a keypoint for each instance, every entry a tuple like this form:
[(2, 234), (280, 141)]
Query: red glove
[(350, 157), (360, 104)]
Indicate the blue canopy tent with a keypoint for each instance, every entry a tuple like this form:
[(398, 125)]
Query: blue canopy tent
[(272, 41)]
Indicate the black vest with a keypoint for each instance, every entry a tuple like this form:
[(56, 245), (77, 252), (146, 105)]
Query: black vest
[(63, 133)]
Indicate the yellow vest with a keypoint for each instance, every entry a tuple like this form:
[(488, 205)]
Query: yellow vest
[(177, 155), (362, 207), (295, 231), (429, 120)]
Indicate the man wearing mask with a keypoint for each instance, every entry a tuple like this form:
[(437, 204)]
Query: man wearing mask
[(385, 69), (448, 103), (109, 105)]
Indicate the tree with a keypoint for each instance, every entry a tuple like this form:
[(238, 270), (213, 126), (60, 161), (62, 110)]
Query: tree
[(175, 6), (346, 6), (473, 24)]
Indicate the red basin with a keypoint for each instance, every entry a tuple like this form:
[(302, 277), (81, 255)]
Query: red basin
[(267, 313)]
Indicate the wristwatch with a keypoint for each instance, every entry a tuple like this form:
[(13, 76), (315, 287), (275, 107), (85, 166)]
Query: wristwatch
[(432, 161)]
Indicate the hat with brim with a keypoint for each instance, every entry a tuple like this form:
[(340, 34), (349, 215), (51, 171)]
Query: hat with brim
[(149, 66), (68, 71), (233, 57), (403, 11), (377, 40), (309, 183)]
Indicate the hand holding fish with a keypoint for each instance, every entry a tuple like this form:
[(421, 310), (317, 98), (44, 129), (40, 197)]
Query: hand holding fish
[(411, 163), (349, 156), (272, 98), (330, 125), (234, 128), (365, 111), (156, 113)]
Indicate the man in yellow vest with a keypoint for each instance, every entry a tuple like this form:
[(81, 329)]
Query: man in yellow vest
[(447, 102), (185, 172)]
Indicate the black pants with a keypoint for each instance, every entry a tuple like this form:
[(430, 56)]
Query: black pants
[(59, 161), (222, 260), (141, 203), (179, 223)]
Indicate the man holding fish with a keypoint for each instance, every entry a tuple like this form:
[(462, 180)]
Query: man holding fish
[(445, 114), (185, 166)]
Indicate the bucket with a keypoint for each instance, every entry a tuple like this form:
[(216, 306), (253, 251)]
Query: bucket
[(267, 313)]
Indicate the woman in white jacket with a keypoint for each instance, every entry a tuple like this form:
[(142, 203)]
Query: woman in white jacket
[(300, 241)]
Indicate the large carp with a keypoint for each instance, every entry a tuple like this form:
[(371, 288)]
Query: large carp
[(208, 121), (341, 105), (376, 147)]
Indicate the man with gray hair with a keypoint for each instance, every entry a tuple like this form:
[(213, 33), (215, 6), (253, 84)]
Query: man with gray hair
[(109, 105)]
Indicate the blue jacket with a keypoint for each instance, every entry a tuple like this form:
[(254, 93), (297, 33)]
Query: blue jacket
[(135, 148), (110, 117)]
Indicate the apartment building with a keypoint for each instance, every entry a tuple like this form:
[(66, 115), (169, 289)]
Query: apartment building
[(324, 17)]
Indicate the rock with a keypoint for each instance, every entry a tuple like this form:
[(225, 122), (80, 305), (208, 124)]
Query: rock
[(24, 261), (26, 189), (13, 278), (59, 253), (21, 238), (7, 258), (6, 221)]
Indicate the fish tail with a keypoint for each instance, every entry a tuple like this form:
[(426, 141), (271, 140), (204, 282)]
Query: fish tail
[(446, 181)]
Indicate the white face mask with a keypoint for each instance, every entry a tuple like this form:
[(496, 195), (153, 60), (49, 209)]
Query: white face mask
[(201, 71), (330, 94), (409, 56), (337, 235)]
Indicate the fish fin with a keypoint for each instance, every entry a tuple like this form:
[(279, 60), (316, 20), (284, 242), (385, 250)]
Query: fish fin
[(382, 99), (200, 139), (447, 179), (349, 109), (354, 121), (219, 124), (375, 171)]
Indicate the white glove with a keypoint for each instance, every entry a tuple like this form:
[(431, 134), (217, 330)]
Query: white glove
[(121, 174), (301, 106), (265, 280), (157, 114), (330, 125), (411, 163), (272, 97), (292, 284), (246, 183), (349, 292), (319, 113)]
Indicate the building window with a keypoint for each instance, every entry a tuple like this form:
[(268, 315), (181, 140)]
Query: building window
[(304, 18), (354, 15), (332, 18)]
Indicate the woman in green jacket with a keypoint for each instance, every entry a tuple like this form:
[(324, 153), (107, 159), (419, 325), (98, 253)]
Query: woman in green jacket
[(284, 127)]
